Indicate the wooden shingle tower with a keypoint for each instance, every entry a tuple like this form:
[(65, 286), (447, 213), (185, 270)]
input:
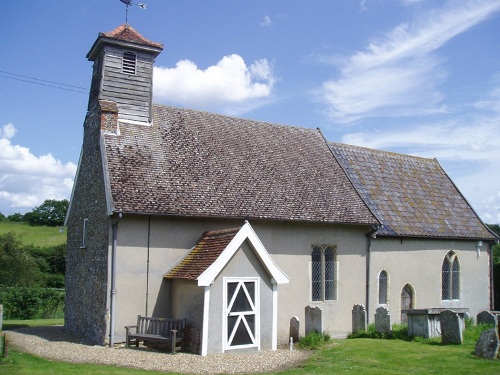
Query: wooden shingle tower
[(123, 72)]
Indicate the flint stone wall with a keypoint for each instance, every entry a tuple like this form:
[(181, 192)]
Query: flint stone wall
[(87, 268)]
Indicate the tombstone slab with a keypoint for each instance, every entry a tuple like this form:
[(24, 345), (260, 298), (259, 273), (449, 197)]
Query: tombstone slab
[(451, 329), (294, 329), (1, 317), (358, 318), (485, 317), (382, 320), (488, 344), (314, 319)]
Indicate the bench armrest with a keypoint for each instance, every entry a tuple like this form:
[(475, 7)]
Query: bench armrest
[(128, 328)]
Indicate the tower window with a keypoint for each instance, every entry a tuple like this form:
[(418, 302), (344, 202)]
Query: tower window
[(129, 62)]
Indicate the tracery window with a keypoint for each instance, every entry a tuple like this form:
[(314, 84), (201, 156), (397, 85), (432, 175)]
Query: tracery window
[(323, 282)]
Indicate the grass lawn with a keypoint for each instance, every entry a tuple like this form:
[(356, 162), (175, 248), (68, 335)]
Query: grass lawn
[(38, 236), (13, 324), (376, 356), (353, 356)]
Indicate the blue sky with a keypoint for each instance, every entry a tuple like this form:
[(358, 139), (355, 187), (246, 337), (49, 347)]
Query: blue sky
[(420, 77)]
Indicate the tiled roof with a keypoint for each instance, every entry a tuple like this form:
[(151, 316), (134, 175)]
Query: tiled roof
[(206, 251), (127, 33), (411, 196), (194, 163)]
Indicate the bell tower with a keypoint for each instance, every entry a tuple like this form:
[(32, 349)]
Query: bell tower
[(123, 72)]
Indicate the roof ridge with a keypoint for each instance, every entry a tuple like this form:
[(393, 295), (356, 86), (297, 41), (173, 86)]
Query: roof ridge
[(389, 153), (128, 33), (312, 130)]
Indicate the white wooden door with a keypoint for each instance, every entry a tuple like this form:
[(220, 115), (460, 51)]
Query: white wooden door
[(241, 313)]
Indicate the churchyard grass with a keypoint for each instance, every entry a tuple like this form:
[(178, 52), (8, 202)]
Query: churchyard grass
[(352, 356), (18, 363)]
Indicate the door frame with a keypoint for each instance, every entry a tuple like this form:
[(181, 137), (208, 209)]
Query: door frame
[(225, 312), (411, 298)]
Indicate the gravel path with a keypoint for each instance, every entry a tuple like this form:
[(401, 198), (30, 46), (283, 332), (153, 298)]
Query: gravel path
[(55, 343)]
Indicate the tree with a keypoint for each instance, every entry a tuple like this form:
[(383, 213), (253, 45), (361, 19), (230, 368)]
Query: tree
[(496, 266), (17, 217), (18, 267), (51, 213)]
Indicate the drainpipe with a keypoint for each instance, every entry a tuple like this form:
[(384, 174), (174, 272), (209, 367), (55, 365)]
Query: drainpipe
[(492, 283), (113, 282), (147, 264), (370, 235)]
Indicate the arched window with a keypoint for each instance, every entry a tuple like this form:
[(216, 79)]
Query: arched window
[(450, 277), (382, 287)]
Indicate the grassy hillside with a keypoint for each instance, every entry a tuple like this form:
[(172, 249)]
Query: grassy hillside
[(38, 236)]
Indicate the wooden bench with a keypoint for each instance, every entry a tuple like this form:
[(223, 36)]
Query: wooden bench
[(162, 330)]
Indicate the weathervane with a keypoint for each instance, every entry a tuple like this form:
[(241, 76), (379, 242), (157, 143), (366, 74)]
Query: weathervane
[(129, 3)]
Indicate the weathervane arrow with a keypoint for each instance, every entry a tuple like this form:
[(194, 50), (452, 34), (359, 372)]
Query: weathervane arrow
[(129, 3)]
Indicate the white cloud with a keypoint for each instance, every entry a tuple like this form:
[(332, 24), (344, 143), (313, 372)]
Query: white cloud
[(467, 148), (266, 21), (399, 74), (26, 180), (230, 85), (8, 131)]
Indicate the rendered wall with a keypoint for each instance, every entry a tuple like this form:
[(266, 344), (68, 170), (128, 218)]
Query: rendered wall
[(243, 264), (289, 244), (418, 262)]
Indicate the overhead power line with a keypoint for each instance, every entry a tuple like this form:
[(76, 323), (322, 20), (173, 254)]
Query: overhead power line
[(43, 82)]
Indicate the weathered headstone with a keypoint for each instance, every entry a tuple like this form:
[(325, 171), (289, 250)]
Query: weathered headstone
[(451, 329), (358, 318), (294, 329), (1, 317), (314, 319), (486, 317), (382, 320), (488, 344)]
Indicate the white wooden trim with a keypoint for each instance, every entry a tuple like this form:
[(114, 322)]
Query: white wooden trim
[(274, 343), (206, 311), (225, 312), (246, 232)]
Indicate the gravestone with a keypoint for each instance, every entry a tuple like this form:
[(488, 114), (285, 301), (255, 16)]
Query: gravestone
[(1, 317), (382, 320), (358, 318), (451, 329), (486, 317), (294, 329), (314, 319), (487, 345)]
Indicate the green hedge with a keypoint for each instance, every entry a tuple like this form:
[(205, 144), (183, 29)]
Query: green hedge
[(31, 303), (3, 349)]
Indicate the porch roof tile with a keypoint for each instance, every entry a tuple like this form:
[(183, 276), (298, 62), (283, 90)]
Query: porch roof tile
[(203, 255)]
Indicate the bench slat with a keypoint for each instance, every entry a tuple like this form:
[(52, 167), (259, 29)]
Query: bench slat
[(157, 329)]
